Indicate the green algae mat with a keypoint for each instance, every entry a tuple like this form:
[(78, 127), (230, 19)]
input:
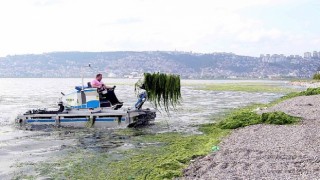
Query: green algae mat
[(248, 87)]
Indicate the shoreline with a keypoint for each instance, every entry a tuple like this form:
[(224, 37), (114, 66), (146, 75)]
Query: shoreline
[(162, 156), (159, 156), (306, 84), (266, 151)]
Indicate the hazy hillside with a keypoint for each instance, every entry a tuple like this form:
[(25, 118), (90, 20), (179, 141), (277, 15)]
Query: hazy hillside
[(188, 65)]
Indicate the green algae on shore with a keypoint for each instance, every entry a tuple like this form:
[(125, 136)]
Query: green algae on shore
[(308, 92), (154, 156), (246, 117)]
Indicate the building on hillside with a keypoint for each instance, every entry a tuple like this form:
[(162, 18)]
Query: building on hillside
[(315, 54), (307, 55)]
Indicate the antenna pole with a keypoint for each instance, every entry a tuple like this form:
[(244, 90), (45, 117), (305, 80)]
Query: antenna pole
[(82, 74), (82, 78)]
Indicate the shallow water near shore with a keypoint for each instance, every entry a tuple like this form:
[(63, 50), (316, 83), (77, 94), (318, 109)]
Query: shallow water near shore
[(21, 149)]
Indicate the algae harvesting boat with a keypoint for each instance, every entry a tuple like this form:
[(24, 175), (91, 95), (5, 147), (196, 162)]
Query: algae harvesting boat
[(89, 107), (86, 107)]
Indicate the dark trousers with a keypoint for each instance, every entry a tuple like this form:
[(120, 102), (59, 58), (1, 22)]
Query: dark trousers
[(111, 96)]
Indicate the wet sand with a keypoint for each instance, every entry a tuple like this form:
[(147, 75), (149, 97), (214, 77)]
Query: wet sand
[(268, 151)]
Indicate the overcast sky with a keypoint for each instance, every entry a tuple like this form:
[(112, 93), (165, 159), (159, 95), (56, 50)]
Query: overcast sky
[(245, 27)]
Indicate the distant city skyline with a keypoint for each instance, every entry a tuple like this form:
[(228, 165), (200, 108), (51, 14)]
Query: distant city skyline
[(308, 54), (133, 64), (243, 27)]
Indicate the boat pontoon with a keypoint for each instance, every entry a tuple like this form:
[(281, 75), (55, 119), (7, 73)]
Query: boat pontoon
[(87, 107)]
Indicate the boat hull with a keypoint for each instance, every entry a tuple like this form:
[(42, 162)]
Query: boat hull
[(100, 118)]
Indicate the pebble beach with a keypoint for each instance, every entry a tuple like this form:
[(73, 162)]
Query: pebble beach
[(268, 151)]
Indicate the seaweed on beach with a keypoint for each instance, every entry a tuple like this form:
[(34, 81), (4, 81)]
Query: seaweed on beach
[(247, 117), (278, 118), (308, 92), (166, 154), (316, 76), (240, 118)]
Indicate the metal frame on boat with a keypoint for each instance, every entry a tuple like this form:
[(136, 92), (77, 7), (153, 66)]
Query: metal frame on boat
[(87, 107)]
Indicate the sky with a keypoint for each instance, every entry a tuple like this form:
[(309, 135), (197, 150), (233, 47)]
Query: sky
[(244, 27)]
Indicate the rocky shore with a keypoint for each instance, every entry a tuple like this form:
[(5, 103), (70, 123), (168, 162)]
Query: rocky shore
[(268, 151)]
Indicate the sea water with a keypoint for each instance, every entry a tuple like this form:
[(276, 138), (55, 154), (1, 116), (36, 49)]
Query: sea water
[(18, 146)]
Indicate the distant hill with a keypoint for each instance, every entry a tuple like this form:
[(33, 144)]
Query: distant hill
[(125, 64)]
